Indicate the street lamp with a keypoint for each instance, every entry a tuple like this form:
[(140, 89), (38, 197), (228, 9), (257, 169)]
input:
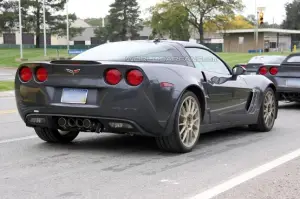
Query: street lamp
[(20, 27)]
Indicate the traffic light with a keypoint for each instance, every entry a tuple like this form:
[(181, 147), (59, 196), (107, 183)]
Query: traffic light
[(261, 18)]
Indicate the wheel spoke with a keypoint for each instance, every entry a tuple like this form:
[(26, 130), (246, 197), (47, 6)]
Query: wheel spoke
[(182, 130), (189, 121)]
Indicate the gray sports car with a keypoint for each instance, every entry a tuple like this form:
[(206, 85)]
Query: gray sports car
[(170, 90), (255, 62), (285, 76)]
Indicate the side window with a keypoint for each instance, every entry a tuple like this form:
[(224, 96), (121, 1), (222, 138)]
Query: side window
[(205, 60)]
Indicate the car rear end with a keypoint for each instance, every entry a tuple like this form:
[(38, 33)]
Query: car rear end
[(286, 77), (86, 96), (256, 62)]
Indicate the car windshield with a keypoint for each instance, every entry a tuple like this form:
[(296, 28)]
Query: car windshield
[(267, 60), (133, 51)]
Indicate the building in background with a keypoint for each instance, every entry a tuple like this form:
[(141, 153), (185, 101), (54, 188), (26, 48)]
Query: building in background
[(243, 40)]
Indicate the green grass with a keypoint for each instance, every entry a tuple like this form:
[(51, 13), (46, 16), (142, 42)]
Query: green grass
[(8, 56), (6, 85), (240, 58)]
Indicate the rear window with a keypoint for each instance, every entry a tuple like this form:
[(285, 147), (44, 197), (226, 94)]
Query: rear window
[(134, 51), (294, 59), (267, 60)]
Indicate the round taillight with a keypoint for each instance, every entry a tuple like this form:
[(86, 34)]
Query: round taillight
[(263, 70), (273, 70), (25, 74), (134, 77), (113, 76), (41, 74)]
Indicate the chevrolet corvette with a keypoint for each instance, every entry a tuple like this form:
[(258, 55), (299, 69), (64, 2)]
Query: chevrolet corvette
[(255, 62), (169, 90), (285, 76)]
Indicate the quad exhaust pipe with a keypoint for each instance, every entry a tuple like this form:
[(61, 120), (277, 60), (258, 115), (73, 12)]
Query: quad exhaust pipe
[(62, 122), (71, 122), (87, 123), (79, 123)]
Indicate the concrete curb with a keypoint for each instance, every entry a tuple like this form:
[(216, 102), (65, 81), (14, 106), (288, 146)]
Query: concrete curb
[(7, 93)]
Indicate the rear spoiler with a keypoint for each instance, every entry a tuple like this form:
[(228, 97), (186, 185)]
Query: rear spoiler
[(75, 62)]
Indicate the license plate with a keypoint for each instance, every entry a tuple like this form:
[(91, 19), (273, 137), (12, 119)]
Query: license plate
[(74, 96), (252, 73), (293, 83)]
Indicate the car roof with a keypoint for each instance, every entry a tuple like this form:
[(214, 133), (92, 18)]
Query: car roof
[(182, 43)]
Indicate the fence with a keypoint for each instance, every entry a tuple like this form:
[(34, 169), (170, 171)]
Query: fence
[(28, 46)]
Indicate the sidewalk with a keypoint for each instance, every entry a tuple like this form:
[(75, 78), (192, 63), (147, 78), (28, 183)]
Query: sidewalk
[(7, 74), (7, 94)]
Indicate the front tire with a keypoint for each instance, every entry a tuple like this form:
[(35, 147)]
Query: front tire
[(186, 130), (268, 112), (54, 136)]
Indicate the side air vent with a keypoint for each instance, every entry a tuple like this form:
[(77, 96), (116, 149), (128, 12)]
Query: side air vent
[(249, 101)]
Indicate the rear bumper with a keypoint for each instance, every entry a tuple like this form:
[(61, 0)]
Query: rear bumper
[(136, 109), (50, 121), (288, 93)]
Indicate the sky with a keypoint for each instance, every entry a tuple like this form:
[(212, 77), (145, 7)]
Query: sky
[(274, 9)]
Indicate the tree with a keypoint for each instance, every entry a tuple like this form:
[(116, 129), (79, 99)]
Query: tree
[(56, 23), (223, 23), (102, 34), (96, 22), (201, 11), (171, 19), (8, 11), (292, 15), (123, 20)]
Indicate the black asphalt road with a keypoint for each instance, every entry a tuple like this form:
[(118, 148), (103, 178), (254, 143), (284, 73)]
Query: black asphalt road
[(114, 166)]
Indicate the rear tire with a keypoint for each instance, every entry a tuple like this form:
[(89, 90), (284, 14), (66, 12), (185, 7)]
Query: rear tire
[(268, 112), (186, 130), (54, 136)]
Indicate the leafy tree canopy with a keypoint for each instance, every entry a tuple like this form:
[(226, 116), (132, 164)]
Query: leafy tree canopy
[(170, 19)]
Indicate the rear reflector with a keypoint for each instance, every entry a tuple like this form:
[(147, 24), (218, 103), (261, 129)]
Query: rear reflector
[(273, 70), (166, 84), (134, 77), (113, 76), (41, 74), (117, 125), (263, 70), (25, 74)]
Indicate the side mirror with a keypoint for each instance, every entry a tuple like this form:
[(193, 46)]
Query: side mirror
[(238, 70)]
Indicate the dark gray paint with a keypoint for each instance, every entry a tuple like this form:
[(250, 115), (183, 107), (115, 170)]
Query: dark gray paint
[(287, 80), (150, 108)]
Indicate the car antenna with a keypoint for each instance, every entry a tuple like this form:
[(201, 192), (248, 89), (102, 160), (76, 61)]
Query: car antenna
[(156, 40)]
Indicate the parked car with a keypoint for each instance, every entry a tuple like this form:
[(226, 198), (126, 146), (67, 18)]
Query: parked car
[(170, 90), (285, 76), (255, 62)]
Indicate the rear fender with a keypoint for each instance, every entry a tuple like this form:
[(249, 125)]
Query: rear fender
[(199, 92)]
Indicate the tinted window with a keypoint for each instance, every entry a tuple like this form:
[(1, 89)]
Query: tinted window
[(133, 51), (267, 60), (294, 59), (205, 60)]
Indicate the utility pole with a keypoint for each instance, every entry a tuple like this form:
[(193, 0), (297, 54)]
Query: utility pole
[(256, 26), (21, 32), (45, 35), (67, 10)]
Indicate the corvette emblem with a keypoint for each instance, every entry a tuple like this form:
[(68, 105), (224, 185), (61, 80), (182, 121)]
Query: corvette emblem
[(73, 72)]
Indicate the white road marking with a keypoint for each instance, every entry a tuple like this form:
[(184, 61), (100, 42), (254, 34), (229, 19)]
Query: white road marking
[(169, 181), (17, 139), (213, 192)]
